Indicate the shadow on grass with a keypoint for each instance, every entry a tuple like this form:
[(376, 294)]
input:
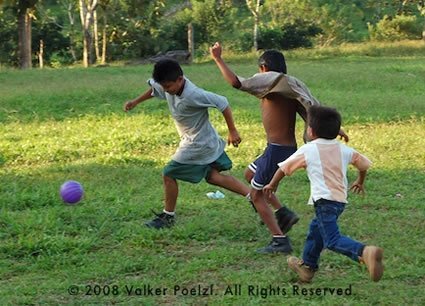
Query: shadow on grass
[(103, 239), (116, 195)]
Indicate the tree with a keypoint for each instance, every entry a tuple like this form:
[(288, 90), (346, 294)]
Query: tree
[(254, 7), (87, 9), (421, 8), (25, 14)]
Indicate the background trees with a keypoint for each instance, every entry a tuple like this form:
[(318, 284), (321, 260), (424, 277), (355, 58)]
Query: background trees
[(60, 32)]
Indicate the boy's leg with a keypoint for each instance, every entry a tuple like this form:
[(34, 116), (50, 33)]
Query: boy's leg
[(228, 182), (306, 267), (327, 214), (263, 169), (313, 245), (173, 171), (166, 218), (274, 201), (265, 212), (279, 243), (171, 191)]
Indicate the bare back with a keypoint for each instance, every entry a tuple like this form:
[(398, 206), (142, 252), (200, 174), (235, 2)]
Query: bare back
[(279, 115)]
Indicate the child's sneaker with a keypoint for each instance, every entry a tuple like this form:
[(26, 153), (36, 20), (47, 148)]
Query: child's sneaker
[(162, 220), (286, 219), (277, 245), (372, 257), (305, 273)]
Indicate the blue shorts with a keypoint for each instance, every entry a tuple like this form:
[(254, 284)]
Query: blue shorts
[(265, 166)]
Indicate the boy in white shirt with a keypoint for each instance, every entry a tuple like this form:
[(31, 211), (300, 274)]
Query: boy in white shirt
[(326, 161)]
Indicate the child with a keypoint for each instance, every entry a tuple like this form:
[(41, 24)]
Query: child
[(201, 150), (282, 97), (326, 161)]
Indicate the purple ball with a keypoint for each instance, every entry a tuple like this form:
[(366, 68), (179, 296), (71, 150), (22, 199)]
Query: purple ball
[(71, 192)]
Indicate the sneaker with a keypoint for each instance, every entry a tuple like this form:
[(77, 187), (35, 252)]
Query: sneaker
[(285, 219), (372, 257), (305, 273), (277, 245), (162, 220)]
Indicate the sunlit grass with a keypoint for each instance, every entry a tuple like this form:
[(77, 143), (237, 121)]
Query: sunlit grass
[(69, 124)]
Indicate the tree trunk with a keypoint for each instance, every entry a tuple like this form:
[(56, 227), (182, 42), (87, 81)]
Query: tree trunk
[(24, 39), (86, 15), (190, 42), (254, 7), (71, 32), (104, 40), (96, 36), (256, 26), (41, 54), (423, 30)]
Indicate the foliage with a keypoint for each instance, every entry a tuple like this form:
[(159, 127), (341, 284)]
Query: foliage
[(55, 43), (398, 28), (141, 28), (290, 36), (8, 38)]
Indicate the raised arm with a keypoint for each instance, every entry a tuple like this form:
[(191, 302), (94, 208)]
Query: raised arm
[(233, 137), (227, 73), (143, 97)]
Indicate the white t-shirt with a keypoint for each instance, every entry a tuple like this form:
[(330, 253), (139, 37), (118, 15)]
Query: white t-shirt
[(200, 143), (326, 162)]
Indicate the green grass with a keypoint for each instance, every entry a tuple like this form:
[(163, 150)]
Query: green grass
[(68, 124)]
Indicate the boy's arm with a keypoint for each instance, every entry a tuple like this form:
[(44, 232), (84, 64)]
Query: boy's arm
[(342, 135), (358, 184), (227, 73), (274, 183), (143, 97), (233, 137), (362, 163)]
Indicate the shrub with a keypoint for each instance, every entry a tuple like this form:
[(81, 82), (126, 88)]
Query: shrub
[(398, 28), (290, 36)]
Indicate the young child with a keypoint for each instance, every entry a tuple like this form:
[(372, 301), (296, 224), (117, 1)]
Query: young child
[(326, 161), (282, 97), (201, 151)]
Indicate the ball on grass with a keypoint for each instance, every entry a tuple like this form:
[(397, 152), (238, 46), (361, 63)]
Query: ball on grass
[(71, 192)]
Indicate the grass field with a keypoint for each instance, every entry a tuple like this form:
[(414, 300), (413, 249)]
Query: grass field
[(68, 124)]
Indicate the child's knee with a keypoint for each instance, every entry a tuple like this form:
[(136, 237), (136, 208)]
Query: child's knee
[(213, 177), (248, 175)]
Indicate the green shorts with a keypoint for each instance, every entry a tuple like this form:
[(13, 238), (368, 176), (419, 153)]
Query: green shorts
[(195, 173)]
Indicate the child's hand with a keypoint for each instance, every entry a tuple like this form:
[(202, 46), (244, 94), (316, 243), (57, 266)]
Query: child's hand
[(215, 50), (357, 187), (234, 138), (268, 190), (343, 135), (129, 105)]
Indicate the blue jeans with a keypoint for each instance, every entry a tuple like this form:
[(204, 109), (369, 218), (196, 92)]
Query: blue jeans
[(324, 233)]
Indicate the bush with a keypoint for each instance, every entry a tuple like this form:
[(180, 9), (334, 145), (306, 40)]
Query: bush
[(393, 29), (289, 36), (60, 58)]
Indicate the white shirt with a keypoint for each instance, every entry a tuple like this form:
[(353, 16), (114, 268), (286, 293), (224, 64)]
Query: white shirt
[(326, 162)]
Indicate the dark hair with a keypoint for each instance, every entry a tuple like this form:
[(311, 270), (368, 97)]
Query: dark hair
[(273, 60), (324, 121), (166, 70)]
